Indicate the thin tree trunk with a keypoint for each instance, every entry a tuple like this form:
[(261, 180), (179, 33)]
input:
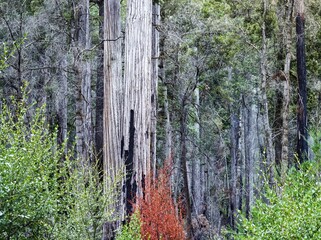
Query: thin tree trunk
[(286, 90), (162, 76), (154, 98), (302, 145), (62, 103), (266, 124), (251, 154), (99, 126), (234, 164), (278, 127), (197, 171), (183, 124), (83, 78)]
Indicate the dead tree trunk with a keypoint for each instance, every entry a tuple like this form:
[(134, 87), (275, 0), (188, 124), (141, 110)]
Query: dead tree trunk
[(99, 126), (302, 145), (251, 152)]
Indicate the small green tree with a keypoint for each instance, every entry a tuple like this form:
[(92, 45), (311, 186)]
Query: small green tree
[(131, 230)]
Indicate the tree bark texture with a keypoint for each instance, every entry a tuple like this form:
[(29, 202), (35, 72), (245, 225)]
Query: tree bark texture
[(168, 126), (302, 145), (83, 82), (286, 89), (196, 164), (113, 97), (154, 84), (62, 103), (137, 102), (99, 125), (186, 192), (234, 135), (251, 153)]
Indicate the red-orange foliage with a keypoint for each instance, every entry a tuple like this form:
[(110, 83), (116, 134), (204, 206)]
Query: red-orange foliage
[(157, 210)]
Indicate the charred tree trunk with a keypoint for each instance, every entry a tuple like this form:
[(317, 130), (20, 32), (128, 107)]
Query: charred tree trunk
[(302, 145), (99, 126)]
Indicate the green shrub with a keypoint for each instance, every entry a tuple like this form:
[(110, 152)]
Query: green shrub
[(43, 193), (292, 213), (131, 230)]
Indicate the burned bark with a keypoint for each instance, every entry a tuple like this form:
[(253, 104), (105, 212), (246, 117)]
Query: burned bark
[(302, 135)]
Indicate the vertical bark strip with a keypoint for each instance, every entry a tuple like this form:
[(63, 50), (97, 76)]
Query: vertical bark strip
[(183, 124), (196, 163), (234, 164), (251, 152), (286, 89), (302, 145), (154, 86), (62, 101), (99, 126), (83, 78), (138, 56), (131, 183), (113, 94)]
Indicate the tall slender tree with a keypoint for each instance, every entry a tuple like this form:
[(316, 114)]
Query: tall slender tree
[(266, 124), (302, 145), (285, 76), (154, 83), (83, 81)]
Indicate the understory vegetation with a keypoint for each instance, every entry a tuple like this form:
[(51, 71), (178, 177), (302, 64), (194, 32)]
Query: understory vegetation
[(289, 210), (44, 192)]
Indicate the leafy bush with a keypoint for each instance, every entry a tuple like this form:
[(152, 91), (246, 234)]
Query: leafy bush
[(293, 213), (132, 229), (41, 195), (157, 210)]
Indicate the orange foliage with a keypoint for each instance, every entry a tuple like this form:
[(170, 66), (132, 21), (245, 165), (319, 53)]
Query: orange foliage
[(157, 210)]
